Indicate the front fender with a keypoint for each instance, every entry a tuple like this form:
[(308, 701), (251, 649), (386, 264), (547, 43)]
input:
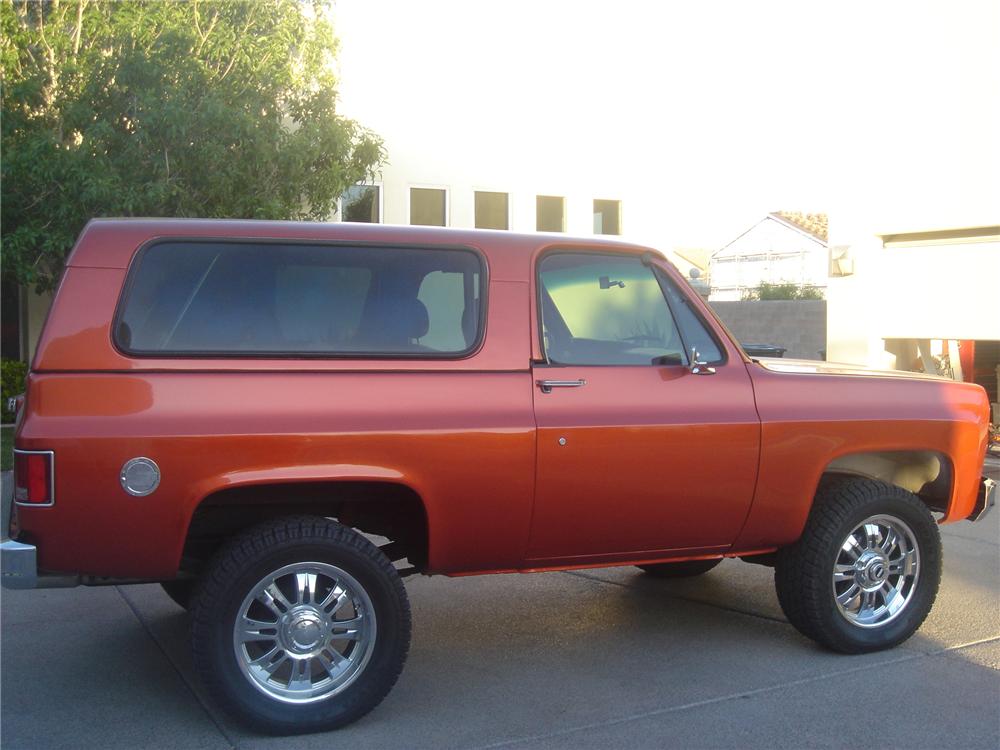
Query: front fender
[(808, 421)]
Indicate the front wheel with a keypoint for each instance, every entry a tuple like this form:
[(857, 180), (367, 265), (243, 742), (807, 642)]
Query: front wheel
[(865, 572), (300, 625)]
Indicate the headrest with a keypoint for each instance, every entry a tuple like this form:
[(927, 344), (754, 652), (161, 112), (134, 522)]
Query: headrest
[(414, 318)]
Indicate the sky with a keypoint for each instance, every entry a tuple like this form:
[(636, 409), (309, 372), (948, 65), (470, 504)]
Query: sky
[(715, 112)]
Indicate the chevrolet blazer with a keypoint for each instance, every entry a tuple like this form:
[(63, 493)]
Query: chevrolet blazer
[(278, 422)]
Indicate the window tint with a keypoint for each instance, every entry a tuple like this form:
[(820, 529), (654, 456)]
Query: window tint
[(289, 299), (605, 310), (693, 328), (452, 320)]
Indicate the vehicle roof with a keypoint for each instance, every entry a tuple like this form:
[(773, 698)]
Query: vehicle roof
[(111, 243)]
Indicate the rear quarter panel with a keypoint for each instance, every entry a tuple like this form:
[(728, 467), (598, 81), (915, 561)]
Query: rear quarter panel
[(463, 441)]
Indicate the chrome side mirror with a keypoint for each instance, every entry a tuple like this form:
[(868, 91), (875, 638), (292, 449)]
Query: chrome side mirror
[(698, 367)]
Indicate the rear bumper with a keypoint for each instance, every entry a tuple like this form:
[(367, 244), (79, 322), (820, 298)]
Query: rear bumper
[(985, 500), (19, 563)]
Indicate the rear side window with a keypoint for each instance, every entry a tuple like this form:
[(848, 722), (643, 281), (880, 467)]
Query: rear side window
[(242, 298)]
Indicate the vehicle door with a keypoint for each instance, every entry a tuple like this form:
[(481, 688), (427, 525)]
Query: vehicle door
[(640, 451)]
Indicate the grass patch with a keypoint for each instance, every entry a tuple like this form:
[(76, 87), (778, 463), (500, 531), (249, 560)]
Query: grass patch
[(6, 448)]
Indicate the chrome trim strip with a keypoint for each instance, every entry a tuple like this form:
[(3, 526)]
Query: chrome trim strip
[(985, 500), (52, 480)]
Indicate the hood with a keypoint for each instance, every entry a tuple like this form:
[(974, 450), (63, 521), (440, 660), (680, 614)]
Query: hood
[(815, 367)]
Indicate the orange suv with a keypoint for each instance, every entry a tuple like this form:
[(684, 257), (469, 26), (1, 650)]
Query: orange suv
[(280, 421)]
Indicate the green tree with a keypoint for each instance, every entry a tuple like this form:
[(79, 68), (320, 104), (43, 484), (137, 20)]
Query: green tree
[(147, 108), (767, 291)]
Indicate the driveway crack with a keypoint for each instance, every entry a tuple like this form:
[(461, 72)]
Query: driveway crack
[(729, 697)]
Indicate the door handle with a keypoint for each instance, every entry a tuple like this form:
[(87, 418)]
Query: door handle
[(548, 385)]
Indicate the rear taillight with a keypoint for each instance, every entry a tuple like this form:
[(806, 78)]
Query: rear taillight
[(34, 477)]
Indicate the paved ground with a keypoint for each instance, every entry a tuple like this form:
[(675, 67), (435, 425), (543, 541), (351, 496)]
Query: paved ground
[(602, 658)]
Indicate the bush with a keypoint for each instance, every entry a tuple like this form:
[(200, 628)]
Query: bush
[(766, 291), (12, 374)]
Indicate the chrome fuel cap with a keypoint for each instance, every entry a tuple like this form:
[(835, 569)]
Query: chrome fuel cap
[(140, 476)]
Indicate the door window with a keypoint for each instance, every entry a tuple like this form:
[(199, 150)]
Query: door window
[(605, 310), (695, 331)]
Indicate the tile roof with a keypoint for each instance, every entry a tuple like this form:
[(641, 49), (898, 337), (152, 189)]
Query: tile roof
[(814, 224), (696, 256)]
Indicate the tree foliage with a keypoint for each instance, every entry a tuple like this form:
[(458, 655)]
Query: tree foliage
[(12, 375), (767, 291), (219, 108)]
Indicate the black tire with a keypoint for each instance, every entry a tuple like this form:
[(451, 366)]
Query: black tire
[(181, 591), (246, 561), (685, 569), (803, 573)]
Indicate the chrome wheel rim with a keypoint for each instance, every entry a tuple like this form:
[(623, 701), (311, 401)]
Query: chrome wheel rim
[(876, 571), (304, 632)]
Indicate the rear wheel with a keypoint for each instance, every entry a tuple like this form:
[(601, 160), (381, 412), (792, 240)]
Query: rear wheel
[(685, 569), (865, 572), (300, 625)]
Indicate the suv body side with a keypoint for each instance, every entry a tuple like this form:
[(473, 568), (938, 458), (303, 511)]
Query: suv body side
[(463, 434)]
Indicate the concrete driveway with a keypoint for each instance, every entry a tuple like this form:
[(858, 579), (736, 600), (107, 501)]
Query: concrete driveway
[(602, 658)]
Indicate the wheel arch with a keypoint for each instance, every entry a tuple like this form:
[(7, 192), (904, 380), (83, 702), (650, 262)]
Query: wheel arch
[(381, 506), (928, 474)]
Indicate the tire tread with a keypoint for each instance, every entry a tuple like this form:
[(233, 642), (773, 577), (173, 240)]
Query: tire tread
[(249, 546), (800, 575)]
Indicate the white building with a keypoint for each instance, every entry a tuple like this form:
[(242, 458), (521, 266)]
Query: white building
[(422, 188), (781, 248), (918, 290)]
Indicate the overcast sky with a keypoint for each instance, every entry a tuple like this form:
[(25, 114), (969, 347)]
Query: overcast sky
[(727, 110)]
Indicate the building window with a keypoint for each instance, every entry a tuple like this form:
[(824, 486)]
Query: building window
[(550, 213), (607, 217), (362, 203), (11, 318), (429, 207), (492, 210)]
